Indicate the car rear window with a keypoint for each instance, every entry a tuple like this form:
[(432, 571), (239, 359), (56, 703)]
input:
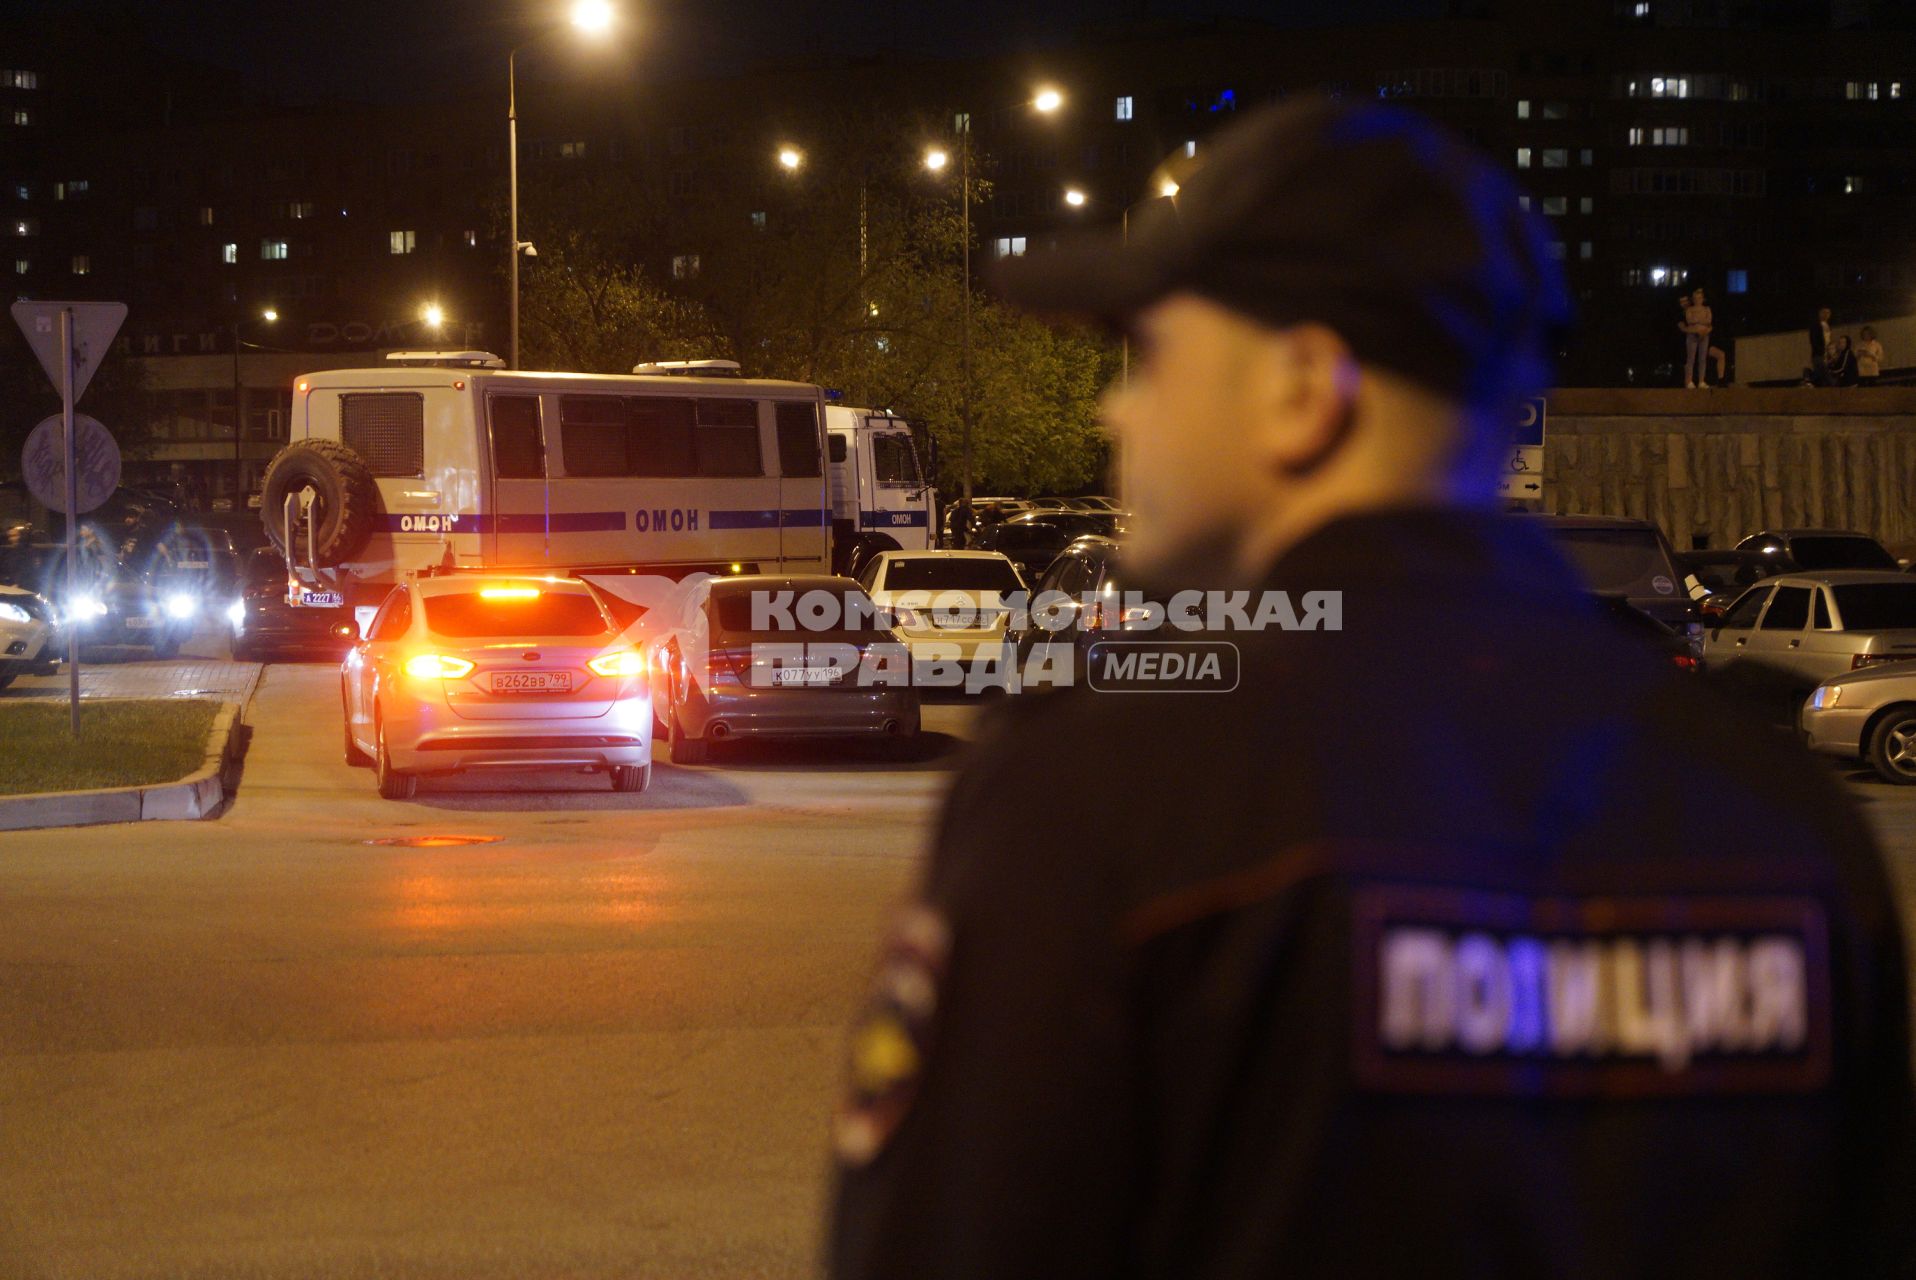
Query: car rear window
[(1626, 561), (938, 573), (852, 617), (1821, 551), (1877, 606), (472, 615)]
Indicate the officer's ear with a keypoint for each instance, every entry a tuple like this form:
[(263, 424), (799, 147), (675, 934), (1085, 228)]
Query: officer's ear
[(1305, 388)]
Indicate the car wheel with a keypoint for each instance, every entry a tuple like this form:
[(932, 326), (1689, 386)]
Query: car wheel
[(632, 778), (685, 748), (393, 784), (1892, 748), (355, 758)]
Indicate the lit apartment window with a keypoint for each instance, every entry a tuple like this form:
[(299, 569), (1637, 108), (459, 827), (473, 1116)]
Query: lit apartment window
[(82, 265), (206, 215), (1586, 250), (685, 266), (1862, 90), (272, 250), (961, 122), (1586, 204), (23, 79), (1124, 108), (26, 227), (1190, 149), (300, 209), (1586, 157), (59, 191), (22, 191), (21, 266), (472, 239), (1642, 9), (1523, 108), (572, 150), (1523, 157), (758, 220), (1736, 280), (1670, 87), (22, 116), (229, 253), (1556, 158), (1895, 88), (1008, 246), (401, 241), (1555, 206), (1662, 136)]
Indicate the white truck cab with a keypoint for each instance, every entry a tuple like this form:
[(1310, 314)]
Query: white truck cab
[(882, 499)]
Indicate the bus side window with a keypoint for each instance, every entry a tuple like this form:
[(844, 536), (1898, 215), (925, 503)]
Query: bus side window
[(837, 445), (517, 451), (592, 435), (728, 438), (659, 437), (798, 438)]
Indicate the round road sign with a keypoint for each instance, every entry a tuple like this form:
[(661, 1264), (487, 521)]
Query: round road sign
[(43, 463)]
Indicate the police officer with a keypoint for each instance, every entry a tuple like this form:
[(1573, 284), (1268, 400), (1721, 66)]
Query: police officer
[(1451, 935)]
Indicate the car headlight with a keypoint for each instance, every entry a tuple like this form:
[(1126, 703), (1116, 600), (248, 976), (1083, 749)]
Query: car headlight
[(181, 605), (236, 612), (1826, 696), (14, 613), (80, 608)]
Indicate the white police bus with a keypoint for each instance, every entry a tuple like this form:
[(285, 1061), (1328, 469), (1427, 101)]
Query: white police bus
[(445, 460)]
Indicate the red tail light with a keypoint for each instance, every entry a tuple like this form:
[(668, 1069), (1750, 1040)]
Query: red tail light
[(1684, 662)]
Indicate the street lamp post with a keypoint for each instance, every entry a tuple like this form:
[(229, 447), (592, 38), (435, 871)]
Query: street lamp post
[(268, 316), (593, 17), (1045, 101)]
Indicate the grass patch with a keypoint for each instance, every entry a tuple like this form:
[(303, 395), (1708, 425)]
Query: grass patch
[(130, 743)]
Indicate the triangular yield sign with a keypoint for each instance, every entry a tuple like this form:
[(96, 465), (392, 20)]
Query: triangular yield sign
[(94, 324)]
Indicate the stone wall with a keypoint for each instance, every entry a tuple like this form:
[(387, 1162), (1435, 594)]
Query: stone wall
[(1711, 467)]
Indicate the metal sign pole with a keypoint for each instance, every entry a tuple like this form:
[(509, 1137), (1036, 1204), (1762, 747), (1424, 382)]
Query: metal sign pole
[(73, 518)]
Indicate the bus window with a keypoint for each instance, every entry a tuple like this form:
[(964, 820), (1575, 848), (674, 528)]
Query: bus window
[(592, 435), (626, 436), (893, 461), (660, 443), (728, 438), (797, 438), (517, 453), (387, 429)]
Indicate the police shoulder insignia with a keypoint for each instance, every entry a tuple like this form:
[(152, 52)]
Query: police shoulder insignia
[(892, 1036), (1601, 996)]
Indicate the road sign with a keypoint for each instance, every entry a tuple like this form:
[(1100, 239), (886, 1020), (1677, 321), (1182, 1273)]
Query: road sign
[(1521, 484), (44, 466), (1529, 430), (94, 324)]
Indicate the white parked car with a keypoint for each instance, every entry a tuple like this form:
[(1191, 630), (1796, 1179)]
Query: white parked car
[(27, 635), (948, 604)]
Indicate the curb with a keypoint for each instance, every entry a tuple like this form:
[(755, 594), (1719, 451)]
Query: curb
[(198, 795)]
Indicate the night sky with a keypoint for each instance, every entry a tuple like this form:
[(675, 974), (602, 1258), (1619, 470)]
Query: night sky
[(401, 49)]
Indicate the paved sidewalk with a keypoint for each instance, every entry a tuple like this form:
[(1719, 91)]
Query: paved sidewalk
[(185, 678)]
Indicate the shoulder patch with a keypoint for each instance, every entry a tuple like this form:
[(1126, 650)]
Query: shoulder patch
[(1459, 992), (892, 1036)]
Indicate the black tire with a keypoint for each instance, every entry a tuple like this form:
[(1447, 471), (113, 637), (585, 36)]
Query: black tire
[(1892, 747), (344, 491), (354, 757), (632, 778), (685, 748), (393, 784)]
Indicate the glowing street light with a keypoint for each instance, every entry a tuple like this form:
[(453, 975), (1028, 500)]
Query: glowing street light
[(1074, 197), (269, 315), (594, 17), (936, 158), (1167, 188), (591, 18), (1048, 100), (433, 314), (790, 159)]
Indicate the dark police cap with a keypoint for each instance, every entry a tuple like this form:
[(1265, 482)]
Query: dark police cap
[(1365, 218)]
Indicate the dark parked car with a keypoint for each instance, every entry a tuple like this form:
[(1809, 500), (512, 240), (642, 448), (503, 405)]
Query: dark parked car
[(267, 629), (1814, 550), (1630, 558), (1033, 539), (1714, 579), (1090, 571), (1672, 644)]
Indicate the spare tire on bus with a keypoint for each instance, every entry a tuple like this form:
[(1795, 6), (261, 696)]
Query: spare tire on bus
[(345, 500)]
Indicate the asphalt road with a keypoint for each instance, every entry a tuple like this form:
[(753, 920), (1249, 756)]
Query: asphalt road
[(604, 1043)]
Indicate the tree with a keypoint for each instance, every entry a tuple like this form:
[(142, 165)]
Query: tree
[(846, 273)]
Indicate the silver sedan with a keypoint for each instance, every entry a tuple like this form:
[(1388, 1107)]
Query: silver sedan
[(1869, 715)]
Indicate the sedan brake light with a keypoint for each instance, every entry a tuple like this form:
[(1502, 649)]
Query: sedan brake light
[(620, 662), (437, 666)]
